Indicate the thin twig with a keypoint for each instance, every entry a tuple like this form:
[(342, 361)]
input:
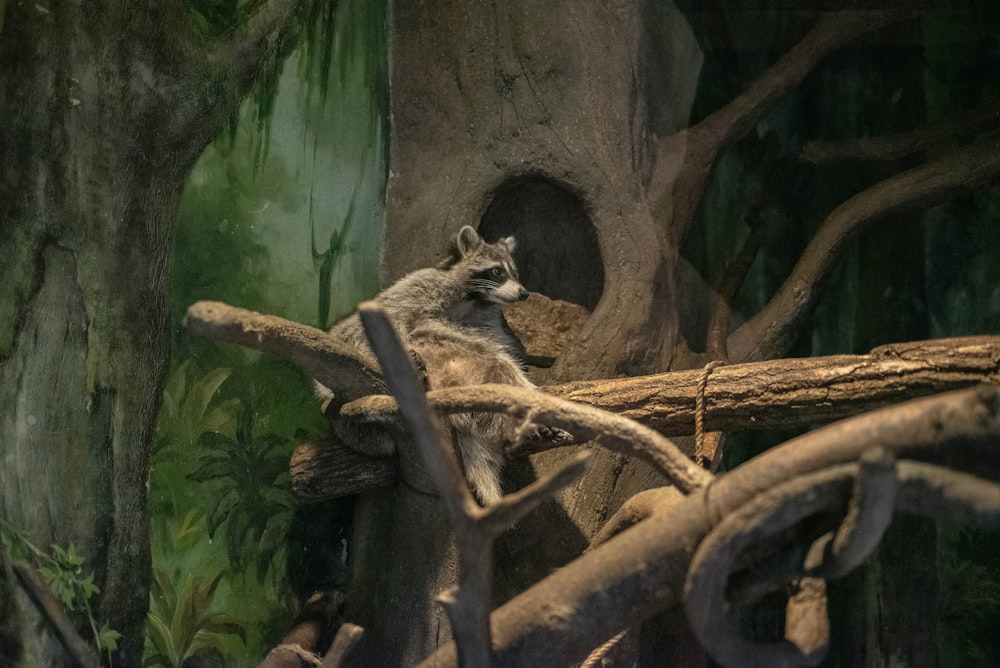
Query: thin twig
[(617, 433)]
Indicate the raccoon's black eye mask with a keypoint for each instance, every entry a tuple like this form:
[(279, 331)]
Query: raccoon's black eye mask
[(483, 281), (493, 276)]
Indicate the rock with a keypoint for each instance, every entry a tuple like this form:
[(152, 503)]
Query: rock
[(545, 326)]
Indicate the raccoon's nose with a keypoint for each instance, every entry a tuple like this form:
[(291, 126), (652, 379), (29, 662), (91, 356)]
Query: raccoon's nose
[(522, 294)]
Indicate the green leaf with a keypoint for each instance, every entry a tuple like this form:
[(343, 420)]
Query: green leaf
[(205, 388), (210, 471), (222, 510), (158, 661), (107, 638), (164, 598), (225, 624), (88, 588), (213, 440), (163, 640)]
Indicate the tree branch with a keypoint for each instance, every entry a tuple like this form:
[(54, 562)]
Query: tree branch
[(762, 519), (241, 53), (639, 572), (772, 331), (586, 424), (475, 529), (53, 612), (796, 392), (348, 635), (868, 516), (345, 372), (760, 395), (893, 147), (676, 189)]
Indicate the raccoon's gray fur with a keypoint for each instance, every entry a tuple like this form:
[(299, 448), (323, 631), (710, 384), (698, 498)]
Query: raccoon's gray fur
[(451, 317)]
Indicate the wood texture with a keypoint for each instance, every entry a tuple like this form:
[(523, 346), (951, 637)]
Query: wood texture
[(761, 395)]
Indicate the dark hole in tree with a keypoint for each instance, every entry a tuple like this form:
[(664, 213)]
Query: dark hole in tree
[(557, 252)]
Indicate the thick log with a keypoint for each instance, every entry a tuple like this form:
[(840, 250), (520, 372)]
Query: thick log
[(761, 395), (329, 469), (794, 392)]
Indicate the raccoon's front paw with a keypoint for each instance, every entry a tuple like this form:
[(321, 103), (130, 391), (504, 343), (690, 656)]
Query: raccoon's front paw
[(533, 438), (421, 368), (543, 434)]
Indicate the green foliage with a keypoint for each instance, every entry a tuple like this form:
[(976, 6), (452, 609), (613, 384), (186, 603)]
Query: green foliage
[(182, 623), (218, 253), (187, 410), (217, 17), (969, 596), (304, 160), (63, 572), (252, 493)]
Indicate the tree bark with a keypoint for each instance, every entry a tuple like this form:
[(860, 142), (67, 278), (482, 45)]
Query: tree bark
[(643, 570), (107, 107)]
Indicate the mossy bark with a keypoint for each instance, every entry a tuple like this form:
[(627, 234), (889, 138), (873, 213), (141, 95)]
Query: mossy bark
[(106, 107)]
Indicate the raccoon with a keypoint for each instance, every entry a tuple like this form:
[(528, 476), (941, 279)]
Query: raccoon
[(451, 318)]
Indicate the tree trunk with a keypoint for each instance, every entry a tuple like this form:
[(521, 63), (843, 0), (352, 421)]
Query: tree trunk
[(537, 103), (106, 107)]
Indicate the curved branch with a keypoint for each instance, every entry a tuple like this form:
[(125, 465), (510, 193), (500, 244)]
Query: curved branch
[(608, 429), (640, 571), (775, 328), (679, 191), (345, 372), (893, 147), (868, 516), (761, 519)]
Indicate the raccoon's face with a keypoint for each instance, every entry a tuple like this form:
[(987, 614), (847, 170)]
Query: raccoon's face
[(490, 274), (497, 283)]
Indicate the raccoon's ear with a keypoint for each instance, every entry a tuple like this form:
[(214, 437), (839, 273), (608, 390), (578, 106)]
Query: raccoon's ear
[(467, 240), (510, 243)]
